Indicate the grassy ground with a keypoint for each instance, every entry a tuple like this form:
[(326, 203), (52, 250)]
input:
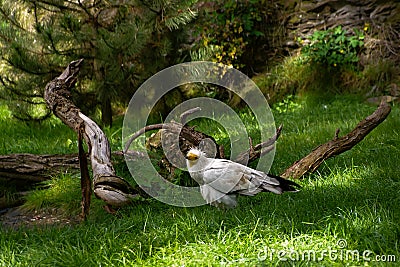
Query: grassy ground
[(348, 213)]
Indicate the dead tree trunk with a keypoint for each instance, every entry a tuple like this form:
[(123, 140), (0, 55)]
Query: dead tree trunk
[(114, 190)]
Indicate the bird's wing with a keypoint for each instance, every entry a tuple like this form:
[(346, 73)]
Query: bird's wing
[(231, 177), (228, 177)]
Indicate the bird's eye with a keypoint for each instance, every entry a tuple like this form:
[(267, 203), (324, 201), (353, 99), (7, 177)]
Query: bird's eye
[(191, 156)]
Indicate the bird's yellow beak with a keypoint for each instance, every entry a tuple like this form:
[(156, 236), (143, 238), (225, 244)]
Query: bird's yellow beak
[(191, 156)]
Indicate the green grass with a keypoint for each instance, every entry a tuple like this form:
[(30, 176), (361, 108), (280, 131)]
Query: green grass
[(48, 137), (352, 198)]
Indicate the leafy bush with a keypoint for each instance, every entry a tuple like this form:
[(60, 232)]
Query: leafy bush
[(334, 47)]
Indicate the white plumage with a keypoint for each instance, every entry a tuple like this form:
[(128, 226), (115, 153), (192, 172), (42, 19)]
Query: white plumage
[(221, 180)]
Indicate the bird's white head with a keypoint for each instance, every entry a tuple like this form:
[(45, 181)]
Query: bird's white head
[(194, 154)]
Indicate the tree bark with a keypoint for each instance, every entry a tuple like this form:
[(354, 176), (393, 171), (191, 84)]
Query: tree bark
[(86, 188), (29, 168), (109, 187)]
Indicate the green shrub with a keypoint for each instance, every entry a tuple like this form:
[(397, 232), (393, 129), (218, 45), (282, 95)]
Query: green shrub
[(334, 48)]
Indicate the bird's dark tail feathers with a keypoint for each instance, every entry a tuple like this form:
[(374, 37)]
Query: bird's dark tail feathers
[(286, 185)]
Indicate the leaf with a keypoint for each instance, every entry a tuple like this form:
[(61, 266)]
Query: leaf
[(338, 30), (257, 33), (354, 43)]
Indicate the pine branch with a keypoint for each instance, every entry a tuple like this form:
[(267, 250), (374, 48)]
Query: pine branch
[(61, 7), (12, 21), (182, 18), (149, 7)]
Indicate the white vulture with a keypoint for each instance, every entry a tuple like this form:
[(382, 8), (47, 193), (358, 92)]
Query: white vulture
[(222, 180)]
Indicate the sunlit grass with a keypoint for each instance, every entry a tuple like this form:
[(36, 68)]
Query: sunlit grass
[(350, 204), (62, 192), (48, 137)]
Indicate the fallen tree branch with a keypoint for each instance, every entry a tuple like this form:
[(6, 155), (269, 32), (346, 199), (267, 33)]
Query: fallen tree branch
[(27, 169), (186, 134), (30, 168), (112, 189), (36, 168), (255, 152), (194, 138), (338, 145), (185, 114)]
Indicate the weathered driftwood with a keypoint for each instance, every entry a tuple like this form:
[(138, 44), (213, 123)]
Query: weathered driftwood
[(114, 190), (30, 168), (338, 145), (188, 136), (35, 168), (86, 188), (257, 151)]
